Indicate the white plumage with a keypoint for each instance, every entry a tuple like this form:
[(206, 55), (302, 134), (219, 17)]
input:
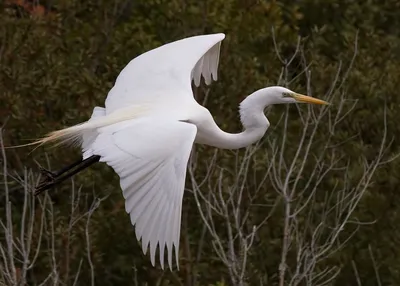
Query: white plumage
[(163, 74), (149, 124), (152, 179)]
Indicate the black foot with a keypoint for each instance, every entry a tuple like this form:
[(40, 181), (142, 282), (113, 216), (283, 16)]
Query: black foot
[(49, 179), (49, 176), (52, 179)]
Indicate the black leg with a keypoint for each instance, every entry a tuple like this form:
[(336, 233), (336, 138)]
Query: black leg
[(56, 178), (67, 168), (50, 176)]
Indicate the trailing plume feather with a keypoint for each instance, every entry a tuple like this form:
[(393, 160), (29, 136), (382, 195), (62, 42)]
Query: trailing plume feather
[(70, 135), (74, 135)]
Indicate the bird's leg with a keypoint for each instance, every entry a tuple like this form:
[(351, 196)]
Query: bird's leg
[(56, 178), (49, 176)]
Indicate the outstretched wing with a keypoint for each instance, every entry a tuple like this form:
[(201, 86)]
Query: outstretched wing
[(165, 73), (150, 156)]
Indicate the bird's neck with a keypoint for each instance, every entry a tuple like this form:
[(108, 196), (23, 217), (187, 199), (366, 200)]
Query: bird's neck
[(254, 122), (225, 140), (251, 111)]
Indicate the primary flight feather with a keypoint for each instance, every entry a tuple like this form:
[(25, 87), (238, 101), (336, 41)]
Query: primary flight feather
[(148, 126)]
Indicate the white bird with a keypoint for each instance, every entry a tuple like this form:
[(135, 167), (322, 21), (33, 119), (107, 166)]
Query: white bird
[(147, 129)]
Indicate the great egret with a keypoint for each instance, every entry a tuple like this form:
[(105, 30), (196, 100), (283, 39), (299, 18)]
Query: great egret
[(147, 128)]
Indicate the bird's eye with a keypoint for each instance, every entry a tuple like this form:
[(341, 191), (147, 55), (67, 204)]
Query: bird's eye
[(286, 94)]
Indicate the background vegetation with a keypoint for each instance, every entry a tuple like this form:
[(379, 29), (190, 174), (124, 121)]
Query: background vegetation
[(59, 58)]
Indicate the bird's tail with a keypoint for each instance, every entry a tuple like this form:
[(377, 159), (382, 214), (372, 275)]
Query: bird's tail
[(75, 135), (67, 135)]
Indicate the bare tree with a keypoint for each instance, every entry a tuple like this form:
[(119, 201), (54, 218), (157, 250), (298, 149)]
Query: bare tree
[(28, 233), (307, 178)]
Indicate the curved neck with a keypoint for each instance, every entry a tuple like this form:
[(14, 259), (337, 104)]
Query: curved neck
[(254, 122), (225, 140)]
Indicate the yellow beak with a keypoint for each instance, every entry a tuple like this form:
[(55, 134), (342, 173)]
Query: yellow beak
[(308, 99)]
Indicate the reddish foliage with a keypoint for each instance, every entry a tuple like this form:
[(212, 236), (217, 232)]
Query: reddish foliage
[(32, 7)]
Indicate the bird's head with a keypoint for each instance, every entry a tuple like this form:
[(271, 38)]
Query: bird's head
[(279, 95)]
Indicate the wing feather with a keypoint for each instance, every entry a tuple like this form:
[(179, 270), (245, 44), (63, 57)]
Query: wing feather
[(161, 233), (150, 230), (152, 178), (165, 73)]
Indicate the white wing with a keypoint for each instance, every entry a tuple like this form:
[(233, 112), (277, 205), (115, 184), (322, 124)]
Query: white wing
[(165, 73), (150, 156)]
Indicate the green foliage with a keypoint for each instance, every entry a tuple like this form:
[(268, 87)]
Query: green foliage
[(55, 68)]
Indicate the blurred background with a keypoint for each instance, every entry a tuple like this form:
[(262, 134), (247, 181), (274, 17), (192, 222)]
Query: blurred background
[(315, 203)]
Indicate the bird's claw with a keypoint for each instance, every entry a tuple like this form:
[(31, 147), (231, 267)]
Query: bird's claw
[(49, 178), (48, 174)]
